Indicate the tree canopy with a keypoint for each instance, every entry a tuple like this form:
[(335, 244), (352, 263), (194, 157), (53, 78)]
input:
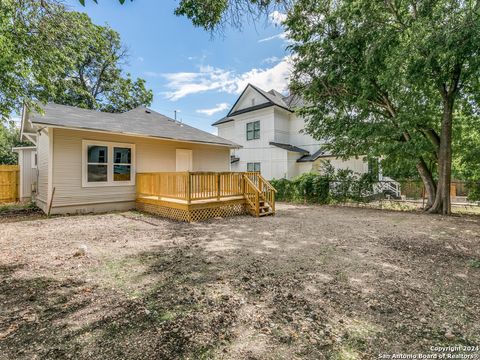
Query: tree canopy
[(386, 79), (51, 54)]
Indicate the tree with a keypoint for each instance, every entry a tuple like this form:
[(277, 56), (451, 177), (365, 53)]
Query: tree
[(93, 77), (9, 138), (379, 80), (51, 54), (22, 55)]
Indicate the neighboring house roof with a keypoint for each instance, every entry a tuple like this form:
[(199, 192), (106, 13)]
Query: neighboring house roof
[(317, 154), (289, 147), (222, 121), (139, 121), (273, 97)]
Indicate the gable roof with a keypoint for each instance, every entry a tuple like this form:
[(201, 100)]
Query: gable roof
[(222, 121), (273, 97), (317, 154), (137, 122), (289, 147)]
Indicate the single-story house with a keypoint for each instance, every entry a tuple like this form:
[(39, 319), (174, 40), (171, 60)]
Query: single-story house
[(87, 161)]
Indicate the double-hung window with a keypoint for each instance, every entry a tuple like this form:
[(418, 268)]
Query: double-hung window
[(253, 130), (107, 164), (253, 166)]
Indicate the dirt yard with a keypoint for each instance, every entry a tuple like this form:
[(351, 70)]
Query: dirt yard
[(310, 283)]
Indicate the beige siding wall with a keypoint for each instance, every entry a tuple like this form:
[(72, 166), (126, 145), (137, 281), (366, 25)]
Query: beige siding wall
[(151, 155), (43, 151)]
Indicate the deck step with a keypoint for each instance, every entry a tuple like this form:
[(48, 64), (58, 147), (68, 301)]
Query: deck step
[(270, 212)]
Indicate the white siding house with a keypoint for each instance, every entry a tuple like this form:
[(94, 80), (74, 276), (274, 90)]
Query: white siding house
[(272, 139)]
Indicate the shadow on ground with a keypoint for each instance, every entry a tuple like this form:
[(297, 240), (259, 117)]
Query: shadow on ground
[(226, 292)]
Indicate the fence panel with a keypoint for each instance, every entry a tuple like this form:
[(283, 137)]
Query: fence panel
[(9, 183)]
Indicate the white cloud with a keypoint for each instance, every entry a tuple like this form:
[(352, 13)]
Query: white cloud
[(209, 78), (277, 18), (214, 110), (152, 74), (271, 60), (281, 36)]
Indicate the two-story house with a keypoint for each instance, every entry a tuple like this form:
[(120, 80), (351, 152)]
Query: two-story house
[(270, 133)]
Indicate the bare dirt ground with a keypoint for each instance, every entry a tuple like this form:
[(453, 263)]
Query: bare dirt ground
[(310, 283)]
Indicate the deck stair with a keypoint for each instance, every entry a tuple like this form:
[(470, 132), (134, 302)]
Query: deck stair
[(260, 195)]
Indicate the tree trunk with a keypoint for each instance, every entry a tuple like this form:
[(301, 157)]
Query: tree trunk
[(442, 199), (428, 182)]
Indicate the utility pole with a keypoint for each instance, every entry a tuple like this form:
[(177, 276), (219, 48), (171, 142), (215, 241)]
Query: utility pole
[(175, 112)]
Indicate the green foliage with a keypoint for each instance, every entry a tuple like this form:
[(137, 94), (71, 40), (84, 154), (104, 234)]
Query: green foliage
[(346, 186), (50, 54), (381, 78), (204, 13), (9, 138), (212, 14), (473, 188), (308, 187), (330, 186), (93, 78), (474, 263)]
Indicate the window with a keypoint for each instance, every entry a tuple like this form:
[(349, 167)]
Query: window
[(107, 164), (34, 159), (122, 163), (253, 130), (254, 166)]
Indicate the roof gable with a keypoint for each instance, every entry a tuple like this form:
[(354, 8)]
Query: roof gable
[(260, 99), (248, 98)]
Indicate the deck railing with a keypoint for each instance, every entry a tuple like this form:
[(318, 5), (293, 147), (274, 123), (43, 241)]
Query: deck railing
[(194, 186), (190, 186)]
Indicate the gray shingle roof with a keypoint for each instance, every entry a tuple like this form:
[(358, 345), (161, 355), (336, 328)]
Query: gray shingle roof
[(222, 121), (317, 154), (273, 97), (289, 147), (140, 121)]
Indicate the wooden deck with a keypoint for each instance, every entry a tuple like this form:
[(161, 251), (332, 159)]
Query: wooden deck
[(196, 196)]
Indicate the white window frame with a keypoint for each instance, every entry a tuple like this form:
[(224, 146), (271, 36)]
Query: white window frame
[(253, 123), (110, 164), (253, 164)]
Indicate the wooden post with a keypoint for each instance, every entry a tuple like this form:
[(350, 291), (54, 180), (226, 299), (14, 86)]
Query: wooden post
[(218, 186), (273, 202), (257, 204), (189, 188)]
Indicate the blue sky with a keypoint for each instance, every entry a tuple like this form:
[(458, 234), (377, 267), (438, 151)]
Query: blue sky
[(186, 68)]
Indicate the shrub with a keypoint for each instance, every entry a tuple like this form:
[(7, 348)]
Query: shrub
[(346, 185), (307, 187), (339, 186), (282, 187), (473, 191)]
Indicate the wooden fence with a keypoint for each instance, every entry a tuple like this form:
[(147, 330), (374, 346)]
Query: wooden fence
[(9, 183)]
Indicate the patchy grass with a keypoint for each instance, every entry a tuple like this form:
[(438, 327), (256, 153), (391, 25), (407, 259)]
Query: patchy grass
[(313, 282), (19, 211), (474, 263)]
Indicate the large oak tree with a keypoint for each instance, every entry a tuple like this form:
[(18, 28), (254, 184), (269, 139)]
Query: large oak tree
[(51, 54), (386, 78)]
